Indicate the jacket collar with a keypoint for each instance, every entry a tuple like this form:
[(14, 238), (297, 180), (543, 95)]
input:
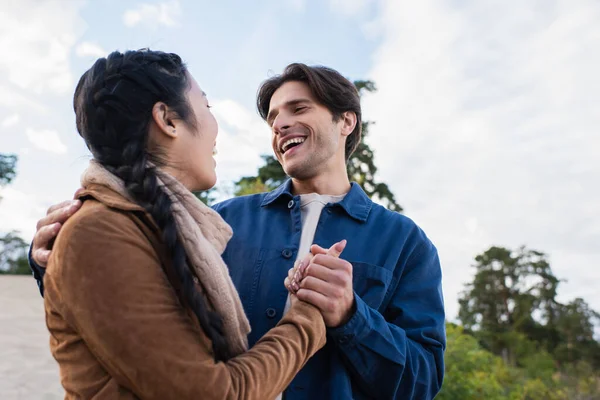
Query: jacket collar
[(356, 203), (108, 197)]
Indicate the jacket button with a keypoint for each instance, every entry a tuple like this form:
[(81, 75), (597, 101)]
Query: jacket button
[(291, 204), (287, 253), (271, 312), (344, 339)]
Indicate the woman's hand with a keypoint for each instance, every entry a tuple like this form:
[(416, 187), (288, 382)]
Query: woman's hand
[(298, 272)]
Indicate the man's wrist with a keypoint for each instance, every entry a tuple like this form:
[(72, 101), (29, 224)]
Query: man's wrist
[(355, 327)]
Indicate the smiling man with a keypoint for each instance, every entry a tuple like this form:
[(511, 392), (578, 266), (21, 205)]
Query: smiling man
[(381, 299)]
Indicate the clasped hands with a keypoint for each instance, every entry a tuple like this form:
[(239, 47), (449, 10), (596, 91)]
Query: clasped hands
[(324, 280)]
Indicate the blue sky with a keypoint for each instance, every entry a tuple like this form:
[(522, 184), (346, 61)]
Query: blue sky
[(487, 113)]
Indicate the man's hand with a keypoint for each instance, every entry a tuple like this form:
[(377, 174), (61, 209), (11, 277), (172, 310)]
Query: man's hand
[(326, 283), (48, 227)]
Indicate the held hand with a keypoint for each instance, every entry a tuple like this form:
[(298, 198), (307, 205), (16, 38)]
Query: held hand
[(327, 284), (296, 274), (48, 227)]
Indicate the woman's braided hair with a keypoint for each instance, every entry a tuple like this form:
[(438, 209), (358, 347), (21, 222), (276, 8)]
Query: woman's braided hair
[(113, 105)]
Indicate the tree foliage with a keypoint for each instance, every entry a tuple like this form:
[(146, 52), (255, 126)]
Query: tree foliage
[(13, 249), (511, 310), (7, 168), (13, 255)]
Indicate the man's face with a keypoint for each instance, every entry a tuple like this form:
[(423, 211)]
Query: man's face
[(305, 139)]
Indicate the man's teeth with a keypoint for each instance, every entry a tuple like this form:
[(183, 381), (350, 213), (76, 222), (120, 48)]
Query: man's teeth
[(287, 144), (214, 151)]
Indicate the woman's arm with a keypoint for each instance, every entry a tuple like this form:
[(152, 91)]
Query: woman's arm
[(106, 280)]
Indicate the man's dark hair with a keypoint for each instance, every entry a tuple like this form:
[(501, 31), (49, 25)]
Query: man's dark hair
[(329, 88)]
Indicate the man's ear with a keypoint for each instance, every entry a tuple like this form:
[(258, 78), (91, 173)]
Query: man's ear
[(348, 119), (162, 117)]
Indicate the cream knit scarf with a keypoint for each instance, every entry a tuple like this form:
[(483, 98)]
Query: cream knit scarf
[(204, 235)]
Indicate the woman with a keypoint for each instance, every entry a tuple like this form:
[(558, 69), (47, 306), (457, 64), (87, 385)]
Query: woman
[(138, 301)]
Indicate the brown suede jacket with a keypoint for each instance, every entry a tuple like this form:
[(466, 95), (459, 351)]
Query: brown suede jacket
[(118, 330)]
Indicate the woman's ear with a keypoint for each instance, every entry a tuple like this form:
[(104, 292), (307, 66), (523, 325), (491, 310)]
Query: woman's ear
[(348, 122), (163, 119)]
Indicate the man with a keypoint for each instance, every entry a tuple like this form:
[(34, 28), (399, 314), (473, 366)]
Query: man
[(381, 300)]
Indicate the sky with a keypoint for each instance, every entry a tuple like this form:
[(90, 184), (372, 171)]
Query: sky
[(487, 114)]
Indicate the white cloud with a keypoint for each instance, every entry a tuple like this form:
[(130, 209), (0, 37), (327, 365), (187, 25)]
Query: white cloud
[(297, 5), (89, 49), (36, 39), (13, 99), (20, 211), (349, 7), (486, 130), (46, 140), (166, 14), (243, 138), (10, 121)]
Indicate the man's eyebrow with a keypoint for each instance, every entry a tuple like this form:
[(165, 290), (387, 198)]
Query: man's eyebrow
[(273, 113)]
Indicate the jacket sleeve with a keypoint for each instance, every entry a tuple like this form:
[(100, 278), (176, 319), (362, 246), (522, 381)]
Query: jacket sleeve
[(107, 282), (37, 271), (400, 354)]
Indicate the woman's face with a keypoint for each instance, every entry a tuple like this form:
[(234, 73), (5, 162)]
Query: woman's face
[(191, 153)]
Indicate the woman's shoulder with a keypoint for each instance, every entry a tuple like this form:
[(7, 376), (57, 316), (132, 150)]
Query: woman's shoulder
[(99, 231), (98, 218)]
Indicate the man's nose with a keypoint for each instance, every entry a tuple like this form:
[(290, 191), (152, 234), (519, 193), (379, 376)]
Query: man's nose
[(281, 124)]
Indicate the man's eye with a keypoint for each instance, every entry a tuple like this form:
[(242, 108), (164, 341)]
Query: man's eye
[(298, 109)]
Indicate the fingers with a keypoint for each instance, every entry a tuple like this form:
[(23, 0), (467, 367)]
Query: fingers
[(320, 286), (334, 251), (41, 257), (290, 283), (59, 214), (300, 268), (58, 206), (320, 272), (316, 249), (332, 262), (45, 234), (41, 243), (48, 227), (77, 192), (295, 274), (323, 303)]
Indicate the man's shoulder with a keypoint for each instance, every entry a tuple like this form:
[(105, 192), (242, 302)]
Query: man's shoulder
[(380, 213), (233, 203), (405, 226)]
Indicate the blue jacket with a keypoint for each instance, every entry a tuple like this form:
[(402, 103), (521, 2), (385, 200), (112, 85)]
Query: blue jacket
[(393, 346)]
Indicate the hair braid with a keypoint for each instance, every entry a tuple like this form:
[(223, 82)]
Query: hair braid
[(113, 105)]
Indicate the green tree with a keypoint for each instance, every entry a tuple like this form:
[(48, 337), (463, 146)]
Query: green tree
[(474, 373), (361, 168), (253, 185), (7, 168), (13, 255), (13, 249), (575, 324), (361, 165), (509, 291), (511, 309), (269, 176), (207, 196)]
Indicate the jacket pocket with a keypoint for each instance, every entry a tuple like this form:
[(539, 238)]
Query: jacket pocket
[(370, 282)]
